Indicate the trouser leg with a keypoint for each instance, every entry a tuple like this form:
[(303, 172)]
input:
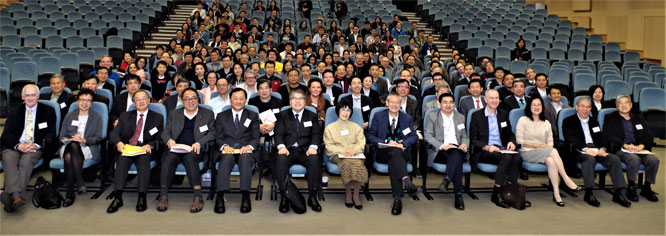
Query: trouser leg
[(454, 168), (614, 166), (632, 162), (224, 171), (245, 162), (122, 166), (142, 163), (191, 163), (587, 163), (651, 163), (397, 170), (514, 168), (169, 164), (281, 169)]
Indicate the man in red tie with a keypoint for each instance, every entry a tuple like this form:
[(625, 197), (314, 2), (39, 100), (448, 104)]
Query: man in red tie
[(141, 128), (474, 100)]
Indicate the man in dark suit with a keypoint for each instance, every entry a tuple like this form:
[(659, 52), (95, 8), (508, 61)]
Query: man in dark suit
[(490, 132), (378, 84), (585, 138), (551, 109), (192, 127), (541, 88), (437, 79), (91, 83), (517, 99), (466, 76), (360, 46), (124, 100), (140, 128), (103, 76), (629, 132), (359, 100), (58, 94), (292, 83), (297, 136), (475, 101), (410, 106), (395, 131), (328, 88), (238, 137), (28, 133), (174, 100)]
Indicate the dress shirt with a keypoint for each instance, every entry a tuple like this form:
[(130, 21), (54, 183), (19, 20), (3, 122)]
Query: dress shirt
[(449, 129), (145, 117), (357, 101), (493, 130), (218, 103), (25, 124), (557, 106), (586, 130), (474, 100)]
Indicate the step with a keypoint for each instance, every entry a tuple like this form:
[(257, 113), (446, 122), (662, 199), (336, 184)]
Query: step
[(162, 35), (167, 31), (153, 43), (174, 24), (163, 38)]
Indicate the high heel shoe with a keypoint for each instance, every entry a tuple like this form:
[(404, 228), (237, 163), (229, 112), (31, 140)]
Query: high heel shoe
[(560, 204), (358, 207), (349, 205), (578, 188)]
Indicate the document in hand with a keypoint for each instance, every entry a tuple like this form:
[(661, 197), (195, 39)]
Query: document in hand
[(641, 152), (181, 148), (507, 152), (593, 149), (357, 156), (236, 151), (386, 145), (131, 151), (267, 117)]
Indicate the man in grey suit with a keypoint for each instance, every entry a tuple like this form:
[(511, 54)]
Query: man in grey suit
[(447, 141), (473, 101), (551, 109), (379, 84), (237, 136), (193, 127)]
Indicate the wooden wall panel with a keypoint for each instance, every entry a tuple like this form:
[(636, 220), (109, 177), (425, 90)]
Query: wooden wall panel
[(581, 5), (654, 38)]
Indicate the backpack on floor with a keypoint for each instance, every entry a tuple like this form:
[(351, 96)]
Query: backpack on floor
[(46, 195)]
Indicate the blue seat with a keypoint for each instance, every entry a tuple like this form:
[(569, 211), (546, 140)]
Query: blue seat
[(652, 98), (56, 108), (602, 115), (614, 88), (518, 67)]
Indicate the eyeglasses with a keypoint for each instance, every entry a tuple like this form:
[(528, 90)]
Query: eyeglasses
[(519, 86), (402, 86), (141, 99), (298, 98), (85, 100), (624, 103), (190, 99)]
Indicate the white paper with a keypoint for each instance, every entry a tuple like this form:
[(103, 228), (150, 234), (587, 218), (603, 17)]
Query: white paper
[(75, 123), (639, 127), (507, 152), (63, 105), (247, 123), (366, 108), (181, 148), (307, 124), (42, 125), (503, 124), (357, 156), (203, 128), (268, 117), (461, 126), (406, 131), (593, 149), (153, 131), (344, 132), (386, 145), (641, 152), (596, 129)]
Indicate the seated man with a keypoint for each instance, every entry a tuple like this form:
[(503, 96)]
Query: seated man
[(58, 94), (585, 137), (222, 99), (265, 102), (628, 132), (298, 135), (437, 79), (447, 138), (490, 132), (517, 99), (237, 136), (394, 129), (189, 126), (103, 76), (359, 100), (124, 100), (91, 83), (474, 101), (440, 89), (553, 108), (410, 106), (541, 88), (137, 128), (292, 83), (173, 101), (27, 132)]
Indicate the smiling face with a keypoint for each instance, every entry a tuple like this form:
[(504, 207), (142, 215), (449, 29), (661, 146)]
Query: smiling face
[(536, 107), (57, 84), (30, 95), (141, 101), (84, 102), (492, 99), (237, 100), (297, 101), (583, 108)]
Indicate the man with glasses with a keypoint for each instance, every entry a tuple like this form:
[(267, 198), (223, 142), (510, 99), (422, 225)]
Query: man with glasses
[(266, 103), (627, 133), (237, 141), (297, 136), (123, 101), (518, 98), (589, 147), (530, 76), (91, 84), (474, 101), (194, 128), (441, 89), (58, 94), (222, 99), (437, 79), (140, 128), (174, 100), (250, 84), (410, 106), (29, 129), (292, 84)]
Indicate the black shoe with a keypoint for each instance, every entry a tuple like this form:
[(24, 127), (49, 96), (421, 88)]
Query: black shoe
[(560, 204), (620, 199), (397, 207), (219, 204), (444, 186), (591, 199), (7, 202), (115, 204), (631, 193), (312, 202), (524, 176), (647, 192), (497, 198), (359, 206), (246, 205), (141, 204), (459, 203), (413, 189), (577, 189), (284, 205), (349, 205), (69, 200)]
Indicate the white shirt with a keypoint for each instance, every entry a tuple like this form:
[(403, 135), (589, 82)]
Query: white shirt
[(138, 116), (81, 130), (477, 99), (239, 113), (542, 93), (404, 104), (390, 118), (218, 103), (557, 106), (598, 105), (366, 92), (191, 116), (586, 129), (329, 91), (25, 123), (449, 129), (129, 102), (356, 101)]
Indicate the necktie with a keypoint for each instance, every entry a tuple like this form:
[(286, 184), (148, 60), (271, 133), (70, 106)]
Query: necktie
[(137, 131), (297, 123), (393, 124), (236, 121), (30, 128), (477, 104), (522, 103)]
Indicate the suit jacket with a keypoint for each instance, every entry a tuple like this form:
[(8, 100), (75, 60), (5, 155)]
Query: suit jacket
[(467, 104), (65, 98), (336, 93), (119, 106), (551, 116), (204, 120), (374, 97), (15, 124), (285, 130), (433, 132), (366, 105), (246, 135), (573, 133), (92, 134), (412, 109), (124, 131), (284, 92), (171, 103), (614, 131), (102, 99), (479, 130), (109, 87), (382, 89), (377, 131), (535, 93), (509, 103)]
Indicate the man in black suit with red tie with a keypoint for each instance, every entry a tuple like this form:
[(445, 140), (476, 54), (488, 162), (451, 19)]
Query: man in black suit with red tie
[(297, 136)]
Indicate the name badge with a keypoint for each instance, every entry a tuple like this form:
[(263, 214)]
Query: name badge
[(63, 105), (344, 132), (596, 129), (307, 124), (203, 128), (366, 108), (42, 125), (314, 104), (75, 123), (639, 127), (503, 124), (461, 126), (406, 131), (247, 123), (153, 131), (276, 110)]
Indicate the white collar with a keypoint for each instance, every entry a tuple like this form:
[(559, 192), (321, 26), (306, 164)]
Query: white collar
[(191, 116)]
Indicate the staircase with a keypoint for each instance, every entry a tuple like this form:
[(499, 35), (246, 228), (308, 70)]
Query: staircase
[(442, 45), (167, 31)]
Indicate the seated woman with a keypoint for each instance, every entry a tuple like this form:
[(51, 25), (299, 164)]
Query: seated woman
[(534, 133), (345, 138), (81, 136), (316, 99)]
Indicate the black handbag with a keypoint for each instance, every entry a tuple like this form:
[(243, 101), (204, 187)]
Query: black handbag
[(514, 195), (46, 195), (296, 199)]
